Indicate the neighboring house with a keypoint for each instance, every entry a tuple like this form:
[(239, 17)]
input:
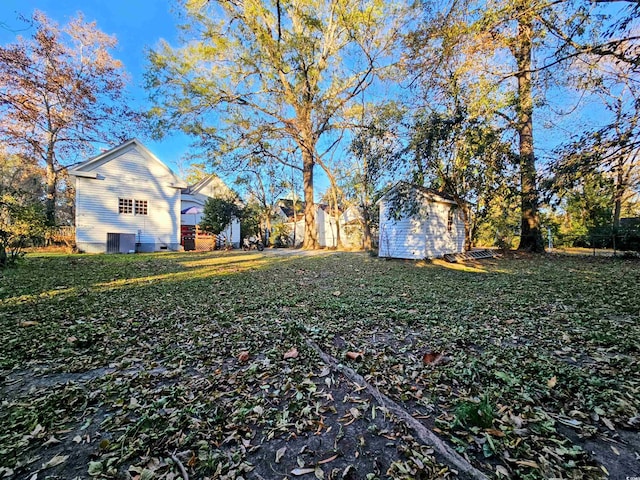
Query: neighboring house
[(126, 200), (195, 196), (434, 230), (350, 227)]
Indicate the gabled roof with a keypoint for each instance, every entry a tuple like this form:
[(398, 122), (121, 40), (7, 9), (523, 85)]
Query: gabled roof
[(215, 182), (86, 168), (428, 193)]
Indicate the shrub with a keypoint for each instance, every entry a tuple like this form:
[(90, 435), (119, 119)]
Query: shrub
[(20, 224)]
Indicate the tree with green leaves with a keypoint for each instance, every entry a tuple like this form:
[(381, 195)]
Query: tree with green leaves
[(218, 215), (22, 220), (506, 55), (263, 184), (463, 157), (375, 149), (60, 92), (271, 74)]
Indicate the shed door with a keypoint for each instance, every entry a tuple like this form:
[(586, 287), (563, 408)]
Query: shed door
[(113, 243)]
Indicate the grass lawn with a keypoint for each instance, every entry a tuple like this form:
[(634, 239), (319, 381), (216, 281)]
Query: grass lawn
[(163, 365)]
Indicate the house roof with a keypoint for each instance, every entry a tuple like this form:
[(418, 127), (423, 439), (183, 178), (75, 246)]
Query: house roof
[(218, 188), (86, 168), (428, 193)]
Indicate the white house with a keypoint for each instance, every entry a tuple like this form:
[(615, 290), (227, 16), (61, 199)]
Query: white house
[(431, 230), (350, 222), (195, 196), (126, 200)]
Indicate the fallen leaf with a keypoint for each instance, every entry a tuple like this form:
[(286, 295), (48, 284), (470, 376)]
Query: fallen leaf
[(55, 461), (319, 473), (292, 353), (354, 355), (608, 423), (302, 471), (327, 460), (52, 440), (243, 357), (431, 358), (527, 463), (615, 450), (337, 293), (500, 470), (280, 453), (72, 339), (95, 469), (29, 323), (494, 432), (552, 382)]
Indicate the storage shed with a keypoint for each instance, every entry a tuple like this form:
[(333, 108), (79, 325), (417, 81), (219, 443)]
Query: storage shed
[(417, 223)]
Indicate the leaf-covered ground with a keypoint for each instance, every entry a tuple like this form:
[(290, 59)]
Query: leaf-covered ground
[(146, 365)]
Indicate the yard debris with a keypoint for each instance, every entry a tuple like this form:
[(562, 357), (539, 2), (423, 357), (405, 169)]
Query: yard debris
[(183, 472), (280, 453), (55, 461), (29, 323), (207, 373), (355, 355), (449, 455), (302, 471), (434, 358), (292, 353)]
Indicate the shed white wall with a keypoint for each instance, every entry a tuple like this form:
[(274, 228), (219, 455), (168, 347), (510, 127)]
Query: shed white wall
[(421, 236), (129, 175)]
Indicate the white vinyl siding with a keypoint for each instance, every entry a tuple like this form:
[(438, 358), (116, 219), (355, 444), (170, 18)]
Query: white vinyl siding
[(128, 175), (422, 236)]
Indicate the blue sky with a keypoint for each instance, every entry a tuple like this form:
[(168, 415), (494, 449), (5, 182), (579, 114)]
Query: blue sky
[(137, 24)]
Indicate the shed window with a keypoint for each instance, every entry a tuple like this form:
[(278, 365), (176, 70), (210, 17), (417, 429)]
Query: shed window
[(450, 220), (125, 205), (141, 207)]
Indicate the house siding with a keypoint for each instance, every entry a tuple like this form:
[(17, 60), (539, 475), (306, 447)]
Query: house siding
[(421, 236), (327, 232), (128, 175)]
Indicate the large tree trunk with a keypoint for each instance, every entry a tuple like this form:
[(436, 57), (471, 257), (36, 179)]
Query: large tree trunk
[(466, 218), (52, 188), (310, 230), (367, 243), (530, 236), (618, 194)]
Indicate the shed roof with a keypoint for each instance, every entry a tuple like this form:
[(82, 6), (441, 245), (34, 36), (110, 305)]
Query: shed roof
[(428, 193)]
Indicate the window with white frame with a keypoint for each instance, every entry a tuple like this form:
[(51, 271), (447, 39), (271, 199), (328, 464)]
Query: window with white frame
[(141, 207), (125, 205)]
